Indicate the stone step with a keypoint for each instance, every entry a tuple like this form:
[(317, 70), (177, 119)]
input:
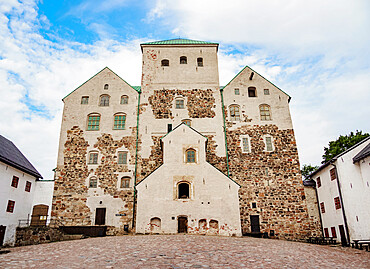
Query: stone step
[(72, 237)]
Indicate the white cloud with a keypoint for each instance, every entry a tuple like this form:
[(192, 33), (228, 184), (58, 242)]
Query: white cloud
[(36, 74)]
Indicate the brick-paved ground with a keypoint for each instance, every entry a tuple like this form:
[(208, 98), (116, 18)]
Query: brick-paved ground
[(183, 251)]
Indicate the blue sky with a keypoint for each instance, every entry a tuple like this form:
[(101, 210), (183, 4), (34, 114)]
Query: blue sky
[(316, 51)]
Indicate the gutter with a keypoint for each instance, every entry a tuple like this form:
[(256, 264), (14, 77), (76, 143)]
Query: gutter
[(223, 116), (137, 143), (342, 204)]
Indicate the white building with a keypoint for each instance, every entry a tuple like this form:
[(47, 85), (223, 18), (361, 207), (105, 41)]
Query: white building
[(343, 189), (20, 187), (186, 193)]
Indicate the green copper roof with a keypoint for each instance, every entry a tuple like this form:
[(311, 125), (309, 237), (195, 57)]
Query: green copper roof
[(179, 41)]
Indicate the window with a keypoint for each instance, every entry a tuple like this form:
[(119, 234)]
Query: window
[(93, 158), (326, 232), (252, 92), (190, 156), (265, 112), (183, 190), (28, 186), (93, 122), (84, 100), (124, 99), (333, 232), (183, 60), (332, 174), (245, 145), (119, 121), (169, 127), (93, 182), (337, 203), (180, 103), (322, 206), (106, 86), (268, 140), (122, 157), (187, 122), (200, 61), (104, 100), (234, 113), (125, 182), (15, 181), (254, 205), (318, 182), (10, 207), (266, 92), (165, 62), (236, 91)]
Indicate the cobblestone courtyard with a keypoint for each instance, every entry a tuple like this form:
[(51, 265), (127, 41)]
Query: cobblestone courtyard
[(183, 251)]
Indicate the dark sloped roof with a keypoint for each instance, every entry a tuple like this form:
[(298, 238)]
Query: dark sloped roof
[(362, 154), (12, 156), (179, 41)]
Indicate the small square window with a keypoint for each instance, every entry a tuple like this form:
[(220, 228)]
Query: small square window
[(124, 100), (236, 91), (10, 207), (125, 182), (266, 92), (252, 92), (28, 186), (254, 205), (122, 157), (15, 181), (179, 104), (93, 182), (84, 100), (93, 158)]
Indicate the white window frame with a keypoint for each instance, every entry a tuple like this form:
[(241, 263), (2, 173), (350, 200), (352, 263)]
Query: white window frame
[(272, 143), (248, 143)]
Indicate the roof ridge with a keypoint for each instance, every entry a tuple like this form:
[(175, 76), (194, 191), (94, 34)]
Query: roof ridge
[(179, 41)]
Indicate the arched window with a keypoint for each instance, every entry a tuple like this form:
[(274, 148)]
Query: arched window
[(213, 226), (93, 182), (124, 99), (165, 62), (183, 190), (265, 112), (200, 61), (93, 121), (183, 60), (125, 182), (119, 121), (252, 92), (190, 156), (106, 86), (202, 225), (234, 113), (187, 122), (104, 100)]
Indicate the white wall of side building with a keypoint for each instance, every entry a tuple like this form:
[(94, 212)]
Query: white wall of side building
[(23, 200), (354, 180), (43, 194)]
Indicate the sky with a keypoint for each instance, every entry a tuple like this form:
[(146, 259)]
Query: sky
[(316, 51)]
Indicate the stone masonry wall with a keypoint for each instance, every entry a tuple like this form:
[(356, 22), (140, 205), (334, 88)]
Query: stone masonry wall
[(200, 103), (270, 179)]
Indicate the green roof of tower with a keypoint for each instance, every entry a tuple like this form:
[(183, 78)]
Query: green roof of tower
[(180, 41)]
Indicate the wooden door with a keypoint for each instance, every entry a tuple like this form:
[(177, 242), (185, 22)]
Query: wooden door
[(255, 224), (100, 216), (2, 234), (39, 215), (343, 238), (182, 224)]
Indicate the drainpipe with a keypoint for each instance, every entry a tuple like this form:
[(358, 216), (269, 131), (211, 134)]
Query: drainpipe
[(341, 201), (137, 143), (223, 115)]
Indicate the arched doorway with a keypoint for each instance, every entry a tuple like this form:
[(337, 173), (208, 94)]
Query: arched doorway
[(155, 225), (182, 224)]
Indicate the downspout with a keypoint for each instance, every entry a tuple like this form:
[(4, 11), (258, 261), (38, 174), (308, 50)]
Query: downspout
[(137, 143), (342, 204), (223, 115)]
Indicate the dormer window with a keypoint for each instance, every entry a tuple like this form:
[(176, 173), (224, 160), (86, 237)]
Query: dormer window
[(200, 61), (106, 86), (190, 156), (183, 60), (165, 62)]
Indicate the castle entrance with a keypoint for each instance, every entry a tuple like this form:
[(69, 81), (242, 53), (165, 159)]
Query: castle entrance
[(182, 224), (255, 224), (100, 216)]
